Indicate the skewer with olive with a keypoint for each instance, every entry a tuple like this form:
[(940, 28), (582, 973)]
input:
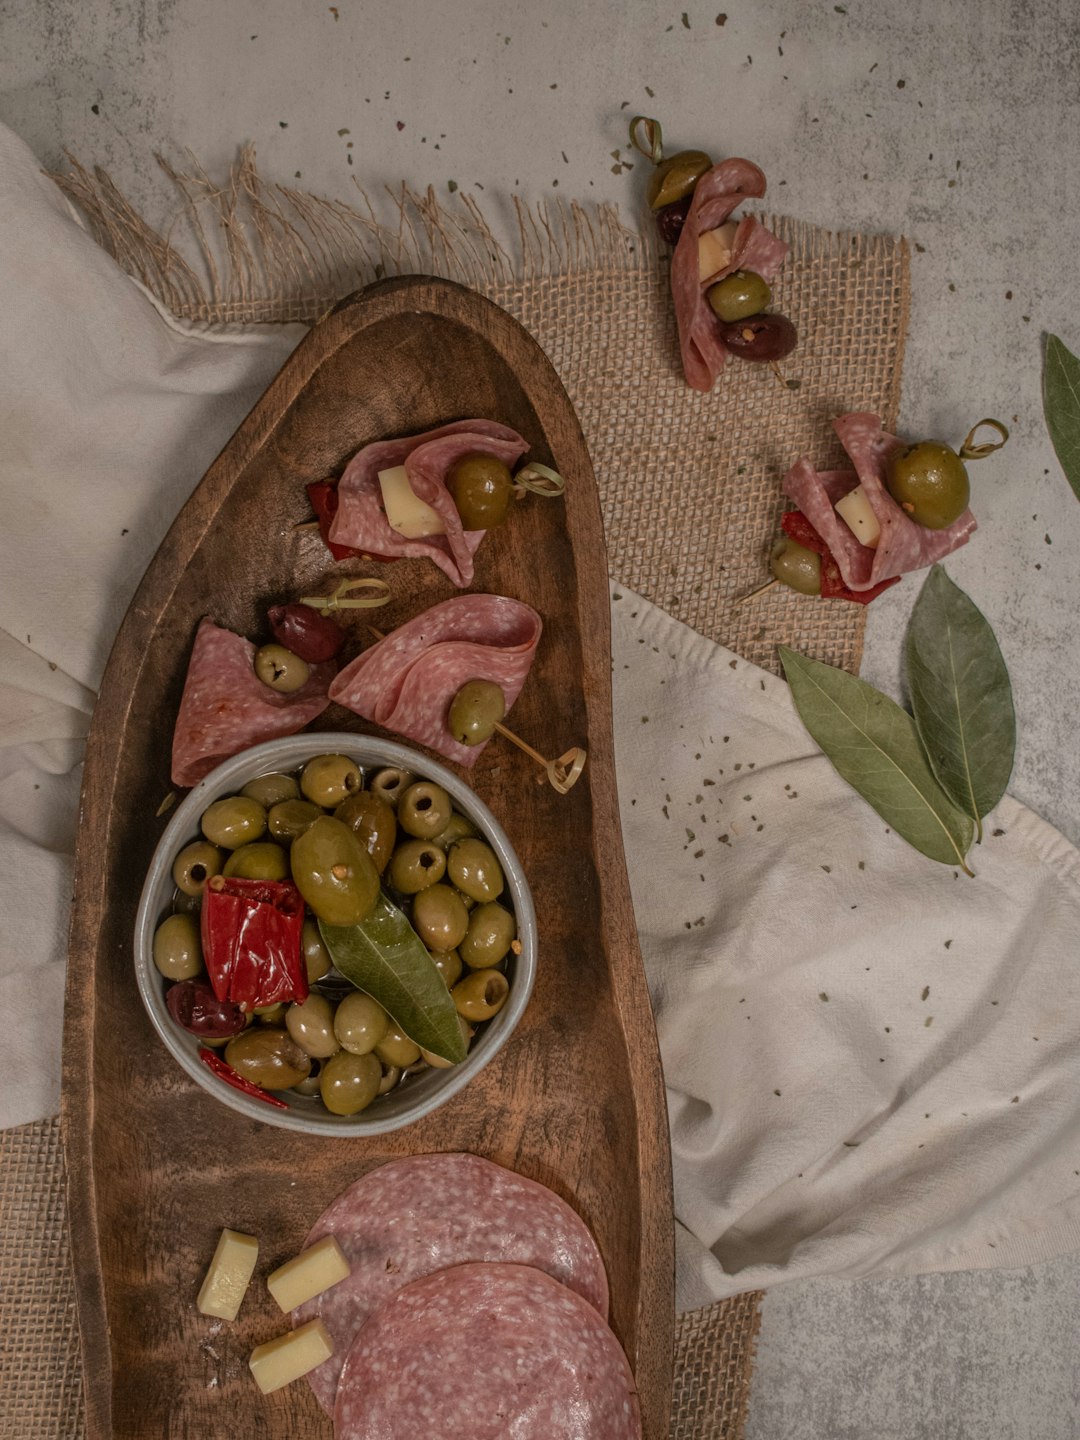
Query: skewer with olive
[(482, 487), (476, 714)]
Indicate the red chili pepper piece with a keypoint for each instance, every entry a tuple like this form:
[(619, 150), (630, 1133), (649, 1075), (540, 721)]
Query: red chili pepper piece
[(324, 501), (251, 939), (237, 1081), (795, 524)]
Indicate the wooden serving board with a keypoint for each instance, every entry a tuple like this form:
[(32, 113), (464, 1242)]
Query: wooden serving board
[(575, 1100)]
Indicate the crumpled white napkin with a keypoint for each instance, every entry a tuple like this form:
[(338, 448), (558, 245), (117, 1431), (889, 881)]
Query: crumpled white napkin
[(892, 1145)]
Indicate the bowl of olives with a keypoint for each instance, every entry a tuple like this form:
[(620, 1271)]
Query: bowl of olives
[(312, 901)]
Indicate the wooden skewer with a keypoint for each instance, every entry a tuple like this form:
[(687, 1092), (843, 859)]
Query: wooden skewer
[(759, 591)]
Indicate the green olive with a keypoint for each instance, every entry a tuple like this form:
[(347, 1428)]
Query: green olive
[(316, 956), (437, 1062), (739, 295), (439, 917), (360, 1023), (349, 1083), (796, 566), (675, 178), (481, 487), (310, 1086), (395, 1048), (390, 784), (448, 963), (373, 822), (290, 818), (270, 790), (177, 948), (195, 864), (424, 810), (457, 827), (281, 669), (233, 821), (311, 1025), (474, 868), (186, 904), (415, 865), (268, 1057), (481, 995), (490, 935), (327, 779), (334, 873), (929, 482), (270, 1014), (475, 711), (390, 1077), (262, 860)]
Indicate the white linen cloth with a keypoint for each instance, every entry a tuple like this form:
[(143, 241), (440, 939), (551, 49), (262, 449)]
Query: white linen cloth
[(762, 884)]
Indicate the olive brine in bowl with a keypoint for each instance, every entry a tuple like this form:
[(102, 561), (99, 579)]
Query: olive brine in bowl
[(335, 934)]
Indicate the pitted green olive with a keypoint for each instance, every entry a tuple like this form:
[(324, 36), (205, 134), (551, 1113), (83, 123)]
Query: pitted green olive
[(395, 1048), (491, 933), (327, 779), (270, 790), (475, 711), (349, 1083), (311, 1025), (929, 482), (675, 178), (424, 810), (281, 669), (360, 1023), (261, 860), (738, 295), (474, 868), (481, 488), (481, 994), (195, 865), (391, 783), (233, 821), (439, 917), (177, 948), (796, 566), (415, 865)]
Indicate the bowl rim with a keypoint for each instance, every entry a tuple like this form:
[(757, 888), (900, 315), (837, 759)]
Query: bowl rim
[(288, 753)]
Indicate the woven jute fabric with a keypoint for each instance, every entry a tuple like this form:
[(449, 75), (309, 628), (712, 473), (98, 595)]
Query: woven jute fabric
[(690, 489)]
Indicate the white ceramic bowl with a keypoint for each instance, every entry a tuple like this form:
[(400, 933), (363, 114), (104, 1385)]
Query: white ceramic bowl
[(420, 1094)]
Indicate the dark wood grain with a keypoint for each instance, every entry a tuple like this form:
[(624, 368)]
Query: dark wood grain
[(575, 1100)]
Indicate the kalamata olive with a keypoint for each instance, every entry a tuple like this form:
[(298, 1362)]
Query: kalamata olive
[(195, 1007), (760, 337), (281, 669), (305, 632), (670, 220)]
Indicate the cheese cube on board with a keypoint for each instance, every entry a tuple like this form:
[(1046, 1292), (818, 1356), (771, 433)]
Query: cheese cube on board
[(288, 1357), (309, 1274), (230, 1272)]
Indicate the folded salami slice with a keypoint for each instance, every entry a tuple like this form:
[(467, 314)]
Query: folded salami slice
[(406, 682), (716, 195), (361, 522), (413, 1216), (904, 545), (486, 1352), (225, 707)]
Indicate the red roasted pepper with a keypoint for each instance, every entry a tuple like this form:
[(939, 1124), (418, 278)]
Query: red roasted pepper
[(233, 1077), (795, 524), (324, 501), (251, 939)]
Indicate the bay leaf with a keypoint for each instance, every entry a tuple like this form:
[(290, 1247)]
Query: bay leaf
[(875, 747), (960, 695), (1061, 406), (384, 957)]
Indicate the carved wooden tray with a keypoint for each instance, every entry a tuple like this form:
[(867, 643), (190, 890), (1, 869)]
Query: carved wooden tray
[(575, 1099)]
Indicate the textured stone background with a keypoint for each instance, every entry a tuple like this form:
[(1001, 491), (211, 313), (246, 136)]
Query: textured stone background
[(955, 123)]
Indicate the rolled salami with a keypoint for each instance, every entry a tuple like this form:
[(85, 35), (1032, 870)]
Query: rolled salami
[(406, 682), (420, 1214), (486, 1352), (360, 522), (904, 545), (225, 707)]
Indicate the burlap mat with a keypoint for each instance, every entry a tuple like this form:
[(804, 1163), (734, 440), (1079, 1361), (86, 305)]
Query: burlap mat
[(690, 487)]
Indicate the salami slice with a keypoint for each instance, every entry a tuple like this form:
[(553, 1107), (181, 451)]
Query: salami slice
[(904, 545), (225, 707), (482, 1352), (406, 682), (756, 248), (360, 522), (417, 1215)]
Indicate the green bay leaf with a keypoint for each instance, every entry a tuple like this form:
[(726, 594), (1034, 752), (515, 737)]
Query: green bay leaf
[(874, 746), (384, 957), (1061, 406), (961, 696)]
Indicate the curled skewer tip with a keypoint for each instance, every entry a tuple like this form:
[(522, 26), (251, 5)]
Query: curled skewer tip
[(970, 451)]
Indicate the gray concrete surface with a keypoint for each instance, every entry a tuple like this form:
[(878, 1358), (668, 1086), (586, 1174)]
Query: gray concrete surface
[(956, 123)]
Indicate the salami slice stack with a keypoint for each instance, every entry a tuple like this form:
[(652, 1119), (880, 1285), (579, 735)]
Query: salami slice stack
[(413, 1217), (406, 682), (904, 545), (717, 194), (226, 707), (360, 522), (482, 1352)]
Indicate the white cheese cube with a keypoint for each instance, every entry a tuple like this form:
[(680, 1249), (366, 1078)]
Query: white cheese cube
[(309, 1274), (407, 513), (714, 249), (288, 1357), (855, 511), (229, 1275)]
